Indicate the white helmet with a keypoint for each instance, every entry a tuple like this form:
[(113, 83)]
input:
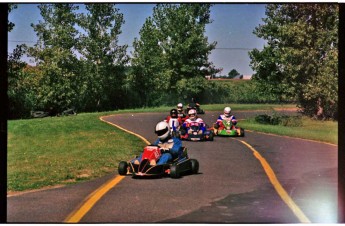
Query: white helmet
[(179, 107), (192, 114), (162, 130), (227, 111)]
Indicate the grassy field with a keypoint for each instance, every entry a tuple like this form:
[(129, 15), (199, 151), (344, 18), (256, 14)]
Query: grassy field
[(63, 150)]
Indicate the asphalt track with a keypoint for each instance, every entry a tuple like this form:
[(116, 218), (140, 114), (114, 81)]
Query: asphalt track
[(259, 178)]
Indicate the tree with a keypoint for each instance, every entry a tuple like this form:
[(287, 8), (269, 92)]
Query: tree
[(21, 84), (10, 24), (55, 55), (172, 46), (300, 58), (233, 73), (103, 59)]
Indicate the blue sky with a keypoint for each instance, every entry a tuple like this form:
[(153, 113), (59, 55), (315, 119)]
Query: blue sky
[(232, 29)]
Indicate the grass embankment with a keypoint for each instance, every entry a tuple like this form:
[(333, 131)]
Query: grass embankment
[(326, 131), (63, 150)]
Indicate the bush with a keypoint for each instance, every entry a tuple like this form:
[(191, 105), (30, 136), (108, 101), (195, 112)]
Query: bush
[(275, 119)]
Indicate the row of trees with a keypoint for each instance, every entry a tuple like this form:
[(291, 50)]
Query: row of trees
[(300, 59), (80, 63)]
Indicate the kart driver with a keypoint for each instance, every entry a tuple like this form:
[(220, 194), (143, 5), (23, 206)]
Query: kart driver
[(180, 112), (173, 120), (226, 116), (193, 119), (171, 147), (194, 104)]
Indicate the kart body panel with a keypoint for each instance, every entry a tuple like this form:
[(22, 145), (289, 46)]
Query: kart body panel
[(195, 134), (181, 165), (229, 130)]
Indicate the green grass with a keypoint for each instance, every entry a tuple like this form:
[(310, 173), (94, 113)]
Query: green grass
[(246, 107), (63, 150), (326, 131)]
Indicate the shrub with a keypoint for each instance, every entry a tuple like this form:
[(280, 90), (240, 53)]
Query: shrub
[(276, 119)]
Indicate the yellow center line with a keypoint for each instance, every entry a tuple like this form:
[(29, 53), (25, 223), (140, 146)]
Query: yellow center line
[(279, 188), (93, 198)]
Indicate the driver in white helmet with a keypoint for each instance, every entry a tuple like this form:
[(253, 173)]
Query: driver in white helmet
[(171, 147), (193, 119), (225, 116), (180, 112)]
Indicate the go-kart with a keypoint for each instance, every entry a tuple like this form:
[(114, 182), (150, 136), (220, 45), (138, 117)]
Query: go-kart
[(228, 129), (196, 134), (178, 167)]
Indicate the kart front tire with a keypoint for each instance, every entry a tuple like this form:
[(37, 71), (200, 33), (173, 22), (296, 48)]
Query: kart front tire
[(174, 173), (123, 168), (195, 166)]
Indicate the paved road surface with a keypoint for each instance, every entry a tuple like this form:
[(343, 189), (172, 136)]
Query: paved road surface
[(231, 187)]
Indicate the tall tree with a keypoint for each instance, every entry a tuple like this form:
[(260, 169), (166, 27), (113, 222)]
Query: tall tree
[(104, 59), (55, 56), (300, 58), (21, 84), (172, 46), (148, 65), (233, 73)]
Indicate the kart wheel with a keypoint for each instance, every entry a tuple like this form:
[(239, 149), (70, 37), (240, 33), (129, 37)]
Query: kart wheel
[(174, 173), (211, 137), (123, 168), (195, 166), (242, 132)]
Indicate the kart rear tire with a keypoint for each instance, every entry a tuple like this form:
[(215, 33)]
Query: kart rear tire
[(211, 137), (174, 173), (123, 168), (195, 166), (242, 133)]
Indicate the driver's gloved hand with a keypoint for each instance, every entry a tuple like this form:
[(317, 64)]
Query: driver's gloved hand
[(165, 150)]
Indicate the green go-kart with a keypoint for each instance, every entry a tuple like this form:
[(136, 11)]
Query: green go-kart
[(227, 129)]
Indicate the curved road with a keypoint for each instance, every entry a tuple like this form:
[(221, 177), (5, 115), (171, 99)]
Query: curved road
[(233, 184)]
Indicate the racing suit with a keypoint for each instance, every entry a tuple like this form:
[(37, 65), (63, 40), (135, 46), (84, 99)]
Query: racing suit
[(223, 117), (173, 144), (171, 148), (173, 124), (188, 123), (182, 116)]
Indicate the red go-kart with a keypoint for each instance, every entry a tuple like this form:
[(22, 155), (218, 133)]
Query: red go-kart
[(178, 167)]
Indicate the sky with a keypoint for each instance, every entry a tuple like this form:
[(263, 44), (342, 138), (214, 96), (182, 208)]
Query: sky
[(232, 28)]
